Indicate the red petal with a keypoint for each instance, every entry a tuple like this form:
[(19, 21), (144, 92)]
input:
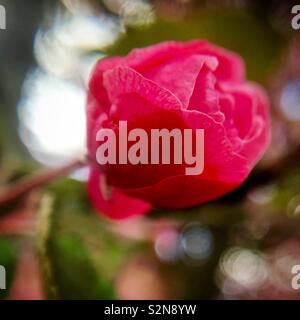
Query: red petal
[(119, 206)]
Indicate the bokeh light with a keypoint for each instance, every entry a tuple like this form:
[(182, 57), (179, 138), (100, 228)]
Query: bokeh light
[(196, 243), (167, 244), (52, 118), (290, 100), (243, 270)]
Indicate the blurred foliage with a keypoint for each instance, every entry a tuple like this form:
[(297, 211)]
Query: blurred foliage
[(79, 257), (237, 30), (16, 57), (82, 258)]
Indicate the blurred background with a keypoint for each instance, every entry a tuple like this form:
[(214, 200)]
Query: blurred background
[(52, 243)]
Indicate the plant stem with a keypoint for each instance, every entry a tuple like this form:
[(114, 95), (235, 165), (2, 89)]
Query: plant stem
[(24, 186)]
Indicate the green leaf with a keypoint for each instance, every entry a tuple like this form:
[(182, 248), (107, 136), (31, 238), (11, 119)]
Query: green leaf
[(79, 257)]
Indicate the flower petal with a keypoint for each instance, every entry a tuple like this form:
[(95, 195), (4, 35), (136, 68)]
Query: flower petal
[(123, 80), (231, 66), (119, 206), (258, 139), (179, 74)]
